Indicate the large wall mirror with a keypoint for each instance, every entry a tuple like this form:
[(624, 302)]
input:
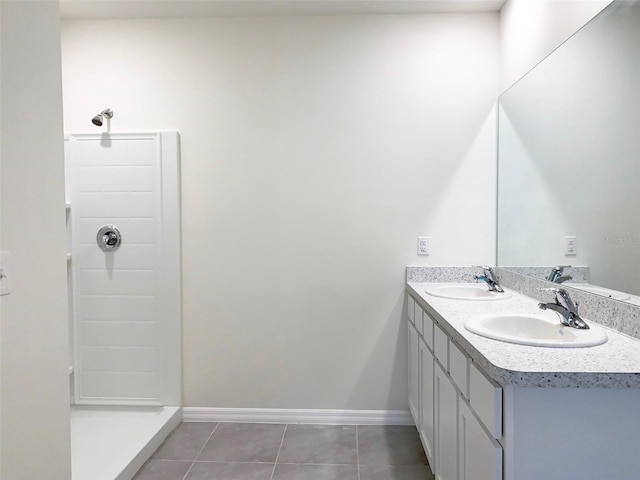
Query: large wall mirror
[(569, 160)]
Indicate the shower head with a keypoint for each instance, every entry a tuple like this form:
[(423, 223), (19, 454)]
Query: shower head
[(98, 119)]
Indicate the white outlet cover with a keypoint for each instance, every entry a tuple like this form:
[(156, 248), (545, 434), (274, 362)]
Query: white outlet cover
[(570, 246), (423, 245)]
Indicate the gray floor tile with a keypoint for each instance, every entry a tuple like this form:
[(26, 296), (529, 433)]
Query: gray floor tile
[(319, 444), (163, 470), (390, 445), (315, 472), (395, 473), (230, 471), (185, 442), (243, 442)]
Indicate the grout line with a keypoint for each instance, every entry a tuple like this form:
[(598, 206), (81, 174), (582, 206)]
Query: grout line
[(273, 472), (188, 471), (205, 443), (357, 453), (193, 462)]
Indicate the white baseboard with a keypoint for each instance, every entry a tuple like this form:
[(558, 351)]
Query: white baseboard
[(277, 415)]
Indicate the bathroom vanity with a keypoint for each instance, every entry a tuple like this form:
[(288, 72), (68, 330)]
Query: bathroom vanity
[(487, 409)]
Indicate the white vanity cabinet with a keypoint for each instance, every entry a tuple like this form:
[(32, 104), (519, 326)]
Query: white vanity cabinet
[(414, 372), (414, 358), (522, 422), (459, 410), (446, 420), (426, 423)]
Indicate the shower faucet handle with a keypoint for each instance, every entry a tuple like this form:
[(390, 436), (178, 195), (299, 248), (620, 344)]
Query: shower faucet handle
[(108, 238)]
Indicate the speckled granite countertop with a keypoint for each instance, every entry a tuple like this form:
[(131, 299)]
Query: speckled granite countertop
[(615, 364)]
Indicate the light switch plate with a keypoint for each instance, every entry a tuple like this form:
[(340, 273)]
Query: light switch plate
[(5, 273)]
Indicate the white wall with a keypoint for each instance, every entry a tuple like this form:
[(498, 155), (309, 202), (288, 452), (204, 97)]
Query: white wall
[(314, 151), (35, 393), (1, 235), (531, 29), (1, 450)]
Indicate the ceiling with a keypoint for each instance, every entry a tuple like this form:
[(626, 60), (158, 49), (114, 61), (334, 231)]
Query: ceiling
[(79, 9)]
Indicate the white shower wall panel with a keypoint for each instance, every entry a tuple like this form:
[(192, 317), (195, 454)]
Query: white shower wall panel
[(117, 282), (140, 257), (117, 150), (116, 179), (113, 358), (116, 204), (127, 302), (119, 333), (125, 308), (109, 386)]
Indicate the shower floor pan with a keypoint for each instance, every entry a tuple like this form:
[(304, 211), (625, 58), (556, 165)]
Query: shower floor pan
[(112, 443)]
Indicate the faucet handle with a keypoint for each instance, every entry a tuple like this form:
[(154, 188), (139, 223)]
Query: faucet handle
[(551, 289), (560, 293), (485, 274), (487, 271), (563, 298), (483, 267)]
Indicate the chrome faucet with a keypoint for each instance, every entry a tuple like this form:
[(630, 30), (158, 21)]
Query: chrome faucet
[(566, 308), (556, 274), (490, 279)]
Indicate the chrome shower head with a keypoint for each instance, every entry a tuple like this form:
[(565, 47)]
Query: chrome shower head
[(98, 119)]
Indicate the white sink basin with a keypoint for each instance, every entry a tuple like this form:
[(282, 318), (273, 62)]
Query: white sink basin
[(605, 292), (465, 291), (540, 330)]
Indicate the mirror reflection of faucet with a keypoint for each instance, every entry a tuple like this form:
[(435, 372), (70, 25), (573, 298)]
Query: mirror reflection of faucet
[(556, 274), (490, 278)]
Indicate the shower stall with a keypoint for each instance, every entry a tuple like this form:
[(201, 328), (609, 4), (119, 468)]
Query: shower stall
[(123, 223)]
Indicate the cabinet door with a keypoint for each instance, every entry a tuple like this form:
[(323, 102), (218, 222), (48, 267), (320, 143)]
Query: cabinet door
[(480, 456), (427, 427), (414, 374), (446, 423), (411, 305)]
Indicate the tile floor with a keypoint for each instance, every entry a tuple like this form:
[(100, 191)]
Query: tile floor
[(249, 451)]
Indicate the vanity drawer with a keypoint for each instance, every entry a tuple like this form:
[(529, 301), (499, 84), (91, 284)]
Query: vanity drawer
[(459, 368), (427, 330), (485, 397), (411, 305), (441, 347)]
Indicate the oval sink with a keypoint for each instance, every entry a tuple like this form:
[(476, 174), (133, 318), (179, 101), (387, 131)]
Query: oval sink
[(465, 291), (540, 330), (605, 292)]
